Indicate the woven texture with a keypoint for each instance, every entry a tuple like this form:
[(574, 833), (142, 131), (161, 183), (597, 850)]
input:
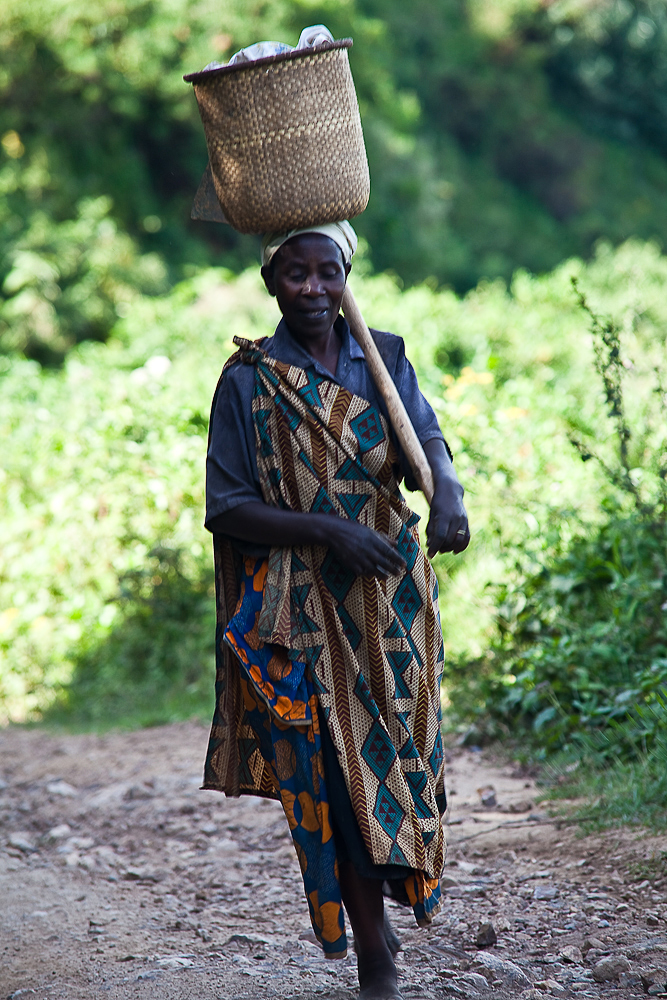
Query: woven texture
[(285, 141)]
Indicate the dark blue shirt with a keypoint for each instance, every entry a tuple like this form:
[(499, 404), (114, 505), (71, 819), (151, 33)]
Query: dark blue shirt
[(231, 464)]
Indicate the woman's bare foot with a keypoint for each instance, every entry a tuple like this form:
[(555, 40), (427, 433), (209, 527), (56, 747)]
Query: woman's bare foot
[(374, 940), (377, 976)]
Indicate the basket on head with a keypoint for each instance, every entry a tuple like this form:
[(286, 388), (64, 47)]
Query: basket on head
[(284, 139)]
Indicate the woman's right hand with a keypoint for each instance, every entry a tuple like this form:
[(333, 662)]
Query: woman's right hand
[(362, 550)]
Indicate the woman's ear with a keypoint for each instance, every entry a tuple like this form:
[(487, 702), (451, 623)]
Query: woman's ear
[(267, 276), (348, 268)]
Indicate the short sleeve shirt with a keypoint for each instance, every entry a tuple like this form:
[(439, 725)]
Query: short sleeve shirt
[(231, 465)]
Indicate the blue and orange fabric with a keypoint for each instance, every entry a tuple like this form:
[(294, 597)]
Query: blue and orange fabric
[(271, 685), (273, 694), (281, 682)]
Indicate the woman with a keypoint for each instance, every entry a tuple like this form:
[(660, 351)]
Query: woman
[(329, 645)]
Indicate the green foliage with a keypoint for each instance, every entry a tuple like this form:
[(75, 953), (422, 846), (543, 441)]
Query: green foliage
[(70, 281), (621, 773), (101, 154), (104, 466), (507, 173), (607, 66), (499, 136), (631, 793), (582, 643), (106, 463), (154, 665)]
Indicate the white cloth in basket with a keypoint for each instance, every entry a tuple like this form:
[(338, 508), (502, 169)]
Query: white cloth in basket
[(316, 34)]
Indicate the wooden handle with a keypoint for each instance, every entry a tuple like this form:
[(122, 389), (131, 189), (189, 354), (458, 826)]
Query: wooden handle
[(398, 415)]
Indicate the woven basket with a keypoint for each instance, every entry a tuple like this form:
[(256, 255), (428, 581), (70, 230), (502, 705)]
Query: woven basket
[(284, 139)]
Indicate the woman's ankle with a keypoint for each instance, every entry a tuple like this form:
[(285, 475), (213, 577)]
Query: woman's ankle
[(376, 965)]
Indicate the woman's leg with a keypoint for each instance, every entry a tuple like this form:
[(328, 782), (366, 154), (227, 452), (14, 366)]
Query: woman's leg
[(364, 903)]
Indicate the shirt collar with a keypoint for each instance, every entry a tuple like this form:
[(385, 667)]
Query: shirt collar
[(285, 348), (356, 350)]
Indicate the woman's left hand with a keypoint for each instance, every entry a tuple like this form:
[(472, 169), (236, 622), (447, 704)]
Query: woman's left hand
[(447, 529)]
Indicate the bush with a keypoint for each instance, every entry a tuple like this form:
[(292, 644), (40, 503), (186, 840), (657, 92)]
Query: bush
[(105, 465), (582, 643), (70, 281), (102, 477), (155, 664), (499, 136)]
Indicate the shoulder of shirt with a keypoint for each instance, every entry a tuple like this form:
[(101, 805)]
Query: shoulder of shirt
[(238, 372), (390, 346)]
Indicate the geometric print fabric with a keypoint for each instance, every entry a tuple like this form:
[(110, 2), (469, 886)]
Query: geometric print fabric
[(374, 649)]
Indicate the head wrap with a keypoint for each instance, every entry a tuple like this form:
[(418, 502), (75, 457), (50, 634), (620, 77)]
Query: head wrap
[(341, 233)]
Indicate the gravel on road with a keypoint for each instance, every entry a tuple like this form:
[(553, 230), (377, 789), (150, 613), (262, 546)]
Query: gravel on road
[(120, 878)]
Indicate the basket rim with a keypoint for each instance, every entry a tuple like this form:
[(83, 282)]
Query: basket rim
[(207, 74)]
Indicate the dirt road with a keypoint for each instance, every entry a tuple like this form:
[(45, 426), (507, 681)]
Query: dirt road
[(119, 878)]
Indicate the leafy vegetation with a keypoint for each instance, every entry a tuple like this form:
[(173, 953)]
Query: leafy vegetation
[(629, 793), (504, 135), (155, 663), (514, 147), (579, 658), (582, 642), (106, 572)]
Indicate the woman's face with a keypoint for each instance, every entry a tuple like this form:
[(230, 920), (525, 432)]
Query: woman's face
[(308, 280)]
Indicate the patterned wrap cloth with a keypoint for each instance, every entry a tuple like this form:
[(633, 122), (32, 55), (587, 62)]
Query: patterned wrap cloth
[(299, 631)]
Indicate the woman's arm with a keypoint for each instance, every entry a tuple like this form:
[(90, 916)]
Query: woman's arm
[(363, 551), (447, 529)]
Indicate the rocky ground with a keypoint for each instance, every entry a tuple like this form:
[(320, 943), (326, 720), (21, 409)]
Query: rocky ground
[(119, 878)]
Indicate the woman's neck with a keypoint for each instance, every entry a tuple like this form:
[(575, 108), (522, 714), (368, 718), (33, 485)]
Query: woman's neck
[(324, 348)]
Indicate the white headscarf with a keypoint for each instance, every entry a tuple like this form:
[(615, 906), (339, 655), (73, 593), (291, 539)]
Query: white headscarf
[(341, 233)]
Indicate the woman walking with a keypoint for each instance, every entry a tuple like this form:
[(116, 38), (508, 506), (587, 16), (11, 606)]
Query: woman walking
[(329, 648)]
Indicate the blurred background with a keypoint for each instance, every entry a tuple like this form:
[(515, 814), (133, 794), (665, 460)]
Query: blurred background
[(514, 146)]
